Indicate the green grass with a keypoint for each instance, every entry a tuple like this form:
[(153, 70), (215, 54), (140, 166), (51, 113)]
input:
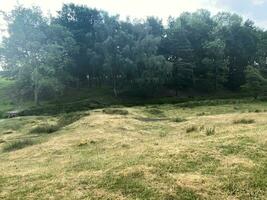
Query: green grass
[(146, 154), (13, 124), (210, 131), (115, 111), (18, 144), (64, 120), (178, 120), (45, 128), (192, 128), (244, 121)]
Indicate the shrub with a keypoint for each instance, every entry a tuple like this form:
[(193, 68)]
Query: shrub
[(115, 112), (191, 129), (2, 115), (210, 131), (45, 128), (18, 144), (178, 120), (244, 121)]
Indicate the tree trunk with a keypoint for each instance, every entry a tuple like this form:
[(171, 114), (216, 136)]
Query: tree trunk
[(115, 86), (77, 83), (36, 96), (216, 80)]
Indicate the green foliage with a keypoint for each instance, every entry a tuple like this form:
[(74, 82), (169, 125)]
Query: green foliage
[(84, 47), (256, 83), (40, 63), (6, 96)]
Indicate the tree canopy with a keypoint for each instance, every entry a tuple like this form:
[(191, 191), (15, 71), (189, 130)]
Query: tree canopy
[(84, 47)]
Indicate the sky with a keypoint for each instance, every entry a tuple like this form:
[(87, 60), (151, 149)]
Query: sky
[(255, 10)]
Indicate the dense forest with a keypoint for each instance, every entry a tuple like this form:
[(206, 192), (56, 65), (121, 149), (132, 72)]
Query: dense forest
[(84, 47)]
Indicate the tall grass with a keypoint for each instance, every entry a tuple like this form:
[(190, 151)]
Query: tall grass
[(18, 144), (192, 128), (115, 111), (64, 120), (244, 121)]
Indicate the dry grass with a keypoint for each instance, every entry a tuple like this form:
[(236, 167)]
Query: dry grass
[(105, 156)]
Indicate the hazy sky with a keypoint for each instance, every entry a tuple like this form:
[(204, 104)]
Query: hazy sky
[(253, 9)]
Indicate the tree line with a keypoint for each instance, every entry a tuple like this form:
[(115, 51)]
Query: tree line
[(84, 47)]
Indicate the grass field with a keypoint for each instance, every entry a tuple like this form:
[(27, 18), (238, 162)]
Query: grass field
[(143, 152)]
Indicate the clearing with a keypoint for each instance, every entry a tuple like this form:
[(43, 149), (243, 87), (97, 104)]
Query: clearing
[(180, 151)]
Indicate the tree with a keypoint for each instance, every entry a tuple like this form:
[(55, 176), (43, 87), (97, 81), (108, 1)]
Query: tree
[(214, 65), (177, 48), (85, 47), (240, 45), (155, 26), (35, 53), (84, 23), (255, 82)]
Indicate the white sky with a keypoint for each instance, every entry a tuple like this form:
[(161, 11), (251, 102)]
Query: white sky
[(160, 8), (134, 8)]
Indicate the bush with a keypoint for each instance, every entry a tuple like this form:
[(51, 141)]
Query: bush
[(178, 120), (191, 129), (115, 112), (45, 128), (210, 131), (244, 121), (18, 144), (2, 115)]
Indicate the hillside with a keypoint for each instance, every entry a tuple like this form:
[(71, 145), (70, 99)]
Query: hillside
[(201, 150)]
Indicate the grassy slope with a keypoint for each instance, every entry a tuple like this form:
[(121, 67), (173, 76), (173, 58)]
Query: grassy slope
[(136, 156)]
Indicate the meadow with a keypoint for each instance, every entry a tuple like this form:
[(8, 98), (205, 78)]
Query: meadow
[(194, 150)]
